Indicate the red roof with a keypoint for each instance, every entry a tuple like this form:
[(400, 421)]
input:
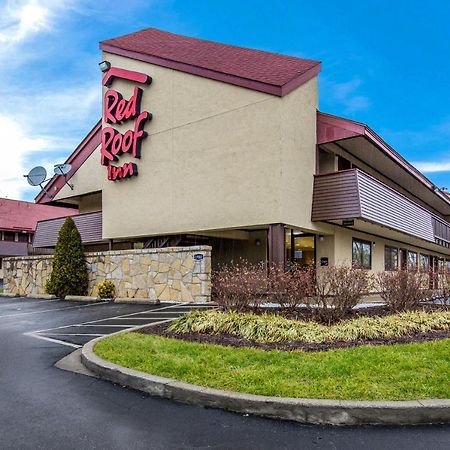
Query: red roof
[(17, 215), (254, 69)]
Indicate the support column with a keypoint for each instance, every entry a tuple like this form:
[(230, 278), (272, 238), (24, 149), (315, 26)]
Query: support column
[(276, 245)]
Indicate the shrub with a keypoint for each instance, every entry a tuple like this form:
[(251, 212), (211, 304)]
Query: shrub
[(444, 284), (402, 289), (338, 290), (273, 328), (239, 286), (290, 288), (106, 289), (69, 274)]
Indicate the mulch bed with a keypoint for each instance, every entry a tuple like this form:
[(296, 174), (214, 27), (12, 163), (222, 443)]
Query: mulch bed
[(234, 341)]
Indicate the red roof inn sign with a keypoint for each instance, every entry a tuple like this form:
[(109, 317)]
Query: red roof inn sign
[(117, 110)]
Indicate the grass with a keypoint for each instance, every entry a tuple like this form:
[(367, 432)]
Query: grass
[(395, 372), (273, 328)]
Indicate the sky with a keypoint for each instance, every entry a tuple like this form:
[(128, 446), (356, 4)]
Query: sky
[(384, 63)]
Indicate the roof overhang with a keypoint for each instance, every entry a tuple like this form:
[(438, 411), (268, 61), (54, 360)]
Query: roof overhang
[(76, 160), (365, 145), (278, 90)]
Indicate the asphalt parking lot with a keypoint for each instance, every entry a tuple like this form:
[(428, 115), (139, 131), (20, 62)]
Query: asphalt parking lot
[(120, 318), (43, 407)]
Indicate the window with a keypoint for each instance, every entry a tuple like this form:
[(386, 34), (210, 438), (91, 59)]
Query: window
[(343, 163), (9, 236), (23, 237), (362, 254), (390, 258), (412, 260), (424, 263)]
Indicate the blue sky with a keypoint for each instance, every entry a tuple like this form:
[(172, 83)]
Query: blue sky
[(386, 63)]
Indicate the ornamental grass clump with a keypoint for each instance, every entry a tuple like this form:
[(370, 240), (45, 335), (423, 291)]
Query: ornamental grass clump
[(269, 328), (69, 273)]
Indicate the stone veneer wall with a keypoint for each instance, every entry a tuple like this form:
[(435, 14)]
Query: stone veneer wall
[(157, 274)]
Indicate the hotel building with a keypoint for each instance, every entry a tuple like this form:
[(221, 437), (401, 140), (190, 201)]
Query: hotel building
[(206, 143)]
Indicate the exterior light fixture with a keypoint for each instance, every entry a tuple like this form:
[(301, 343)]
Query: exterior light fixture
[(257, 242), (321, 238), (104, 66)]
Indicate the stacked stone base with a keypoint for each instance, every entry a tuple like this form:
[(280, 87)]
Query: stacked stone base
[(180, 274)]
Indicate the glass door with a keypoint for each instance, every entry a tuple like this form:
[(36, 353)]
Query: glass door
[(300, 248)]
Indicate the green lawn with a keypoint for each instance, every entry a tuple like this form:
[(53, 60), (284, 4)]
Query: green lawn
[(387, 372)]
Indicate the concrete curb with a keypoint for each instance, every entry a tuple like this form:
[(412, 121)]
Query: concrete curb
[(136, 301), (82, 298), (332, 412), (42, 296)]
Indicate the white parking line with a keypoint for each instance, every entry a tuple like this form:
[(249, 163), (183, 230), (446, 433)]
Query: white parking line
[(32, 302), (123, 316), (77, 334), (59, 331), (55, 341), (111, 326), (140, 318), (50, 310)]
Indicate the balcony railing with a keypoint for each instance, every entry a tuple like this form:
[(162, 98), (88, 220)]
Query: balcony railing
[(353, 194), (11, 248)]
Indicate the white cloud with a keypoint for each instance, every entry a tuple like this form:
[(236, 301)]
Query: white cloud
[(432, 167), (43, 130), (20, 19), (16, 145), (40, 122), (345, 94)]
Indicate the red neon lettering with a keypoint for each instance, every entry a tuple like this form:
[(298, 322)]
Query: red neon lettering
[(109, 104), (105, 154), (119, 173), (117, 109), (139, 133)]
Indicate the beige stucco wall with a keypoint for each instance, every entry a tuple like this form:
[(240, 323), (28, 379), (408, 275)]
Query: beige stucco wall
[(217, 157), (338, 248), (87, 179), (157, 274)]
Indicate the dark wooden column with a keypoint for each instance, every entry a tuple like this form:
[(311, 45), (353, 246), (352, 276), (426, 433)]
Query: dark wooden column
[(276, 245)]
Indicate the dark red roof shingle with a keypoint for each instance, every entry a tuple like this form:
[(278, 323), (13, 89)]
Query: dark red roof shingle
[(264, 71), (20, 215)]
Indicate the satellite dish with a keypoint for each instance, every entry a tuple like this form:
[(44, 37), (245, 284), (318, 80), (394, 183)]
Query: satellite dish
[(62, 169), (36, 176)]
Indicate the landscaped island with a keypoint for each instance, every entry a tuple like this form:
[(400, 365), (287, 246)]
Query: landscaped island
[(316, 344), (394, 372)]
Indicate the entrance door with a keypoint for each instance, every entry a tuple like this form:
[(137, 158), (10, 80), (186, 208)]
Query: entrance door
[(300, 248)]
